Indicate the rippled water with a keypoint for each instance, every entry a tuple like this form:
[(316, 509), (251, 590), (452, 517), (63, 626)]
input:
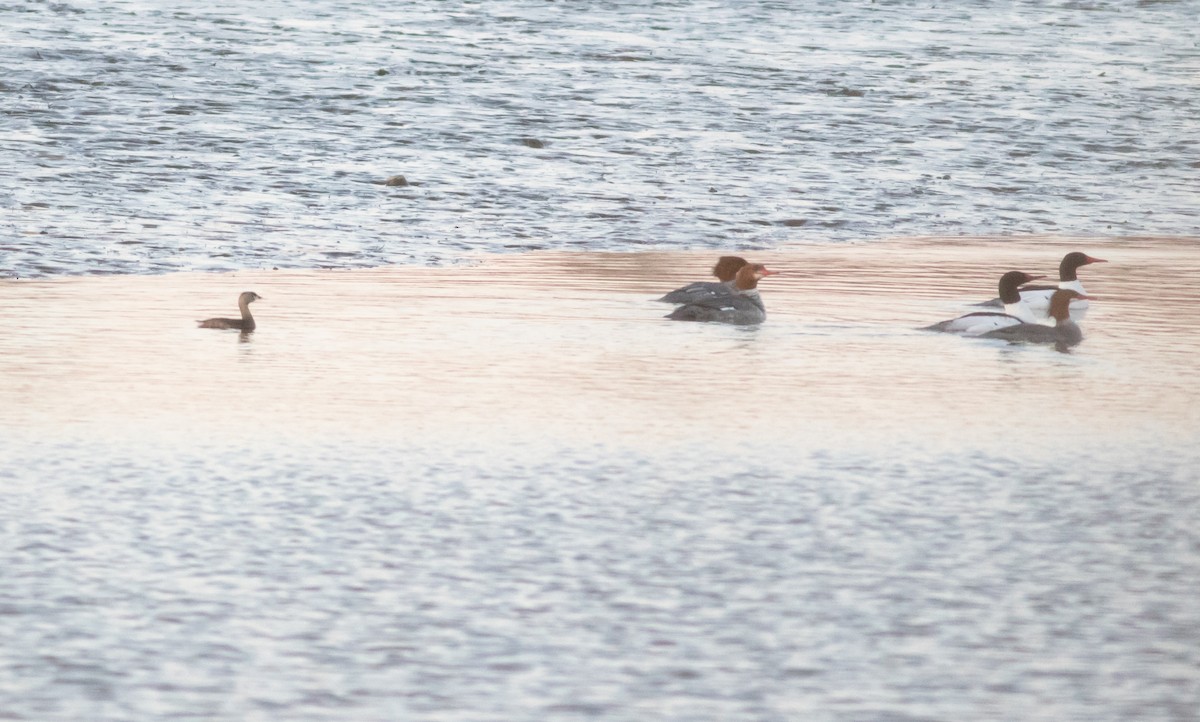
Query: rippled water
[(465, 471), (509, 490), (143, 137)]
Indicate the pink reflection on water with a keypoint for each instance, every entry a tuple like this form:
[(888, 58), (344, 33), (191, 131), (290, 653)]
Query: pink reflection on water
[(572, 347)]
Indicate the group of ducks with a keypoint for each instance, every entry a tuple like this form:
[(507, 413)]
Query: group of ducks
[(1034, 314)]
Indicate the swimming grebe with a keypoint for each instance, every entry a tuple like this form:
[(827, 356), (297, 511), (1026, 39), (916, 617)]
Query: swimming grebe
[(245, 323)]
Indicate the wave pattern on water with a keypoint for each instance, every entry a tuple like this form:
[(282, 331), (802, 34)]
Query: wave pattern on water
[(230, 584), (142, 139)]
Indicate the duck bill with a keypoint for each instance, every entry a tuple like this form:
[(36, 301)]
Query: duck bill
[(1095, 260)]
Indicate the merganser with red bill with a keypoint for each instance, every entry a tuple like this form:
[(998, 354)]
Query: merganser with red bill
[(742, 307), (1038, 297), (1064, 334), (725, 271), (980, 322)]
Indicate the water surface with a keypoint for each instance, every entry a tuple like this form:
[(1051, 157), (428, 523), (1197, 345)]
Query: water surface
[(137, 137), (509, 490), (465, 470)]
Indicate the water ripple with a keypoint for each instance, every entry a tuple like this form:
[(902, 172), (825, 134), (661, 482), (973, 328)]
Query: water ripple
[(230, 137)]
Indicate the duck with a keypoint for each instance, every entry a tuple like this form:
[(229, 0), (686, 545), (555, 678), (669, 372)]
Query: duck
[(1016, 311), (1038, 297), (743, 306), (725, 270), (1064, 334), (244, 324)]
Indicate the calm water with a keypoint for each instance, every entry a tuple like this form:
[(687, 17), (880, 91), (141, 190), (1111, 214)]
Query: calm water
[(465, 471)]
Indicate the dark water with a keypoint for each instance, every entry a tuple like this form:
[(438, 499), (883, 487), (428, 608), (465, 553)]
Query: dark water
[(138, 137)]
